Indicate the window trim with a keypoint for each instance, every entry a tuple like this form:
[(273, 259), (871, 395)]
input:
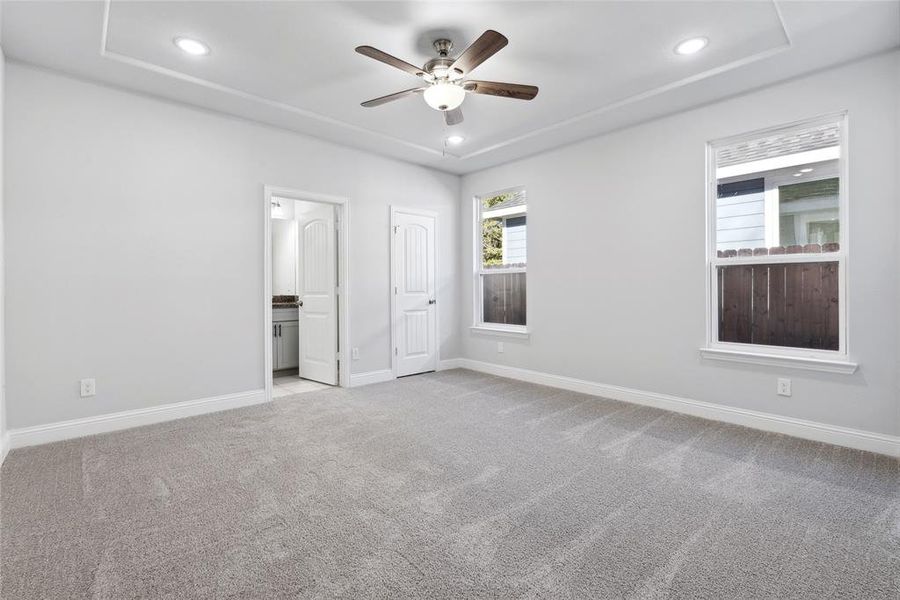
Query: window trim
[(837, 361), (479, 325)]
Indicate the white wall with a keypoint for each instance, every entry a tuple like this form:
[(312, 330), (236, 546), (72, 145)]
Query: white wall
[(896, 252), (616, 273), (4, 442), (147, 272)]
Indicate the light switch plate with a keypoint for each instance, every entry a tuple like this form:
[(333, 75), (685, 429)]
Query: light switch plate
[(354, 353), (500, 347)]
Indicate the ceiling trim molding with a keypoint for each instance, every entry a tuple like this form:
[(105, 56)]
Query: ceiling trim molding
[(105, 52), (751, 58)]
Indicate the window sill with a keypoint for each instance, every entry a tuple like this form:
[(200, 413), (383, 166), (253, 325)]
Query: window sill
[(843, 367), (522, 333)]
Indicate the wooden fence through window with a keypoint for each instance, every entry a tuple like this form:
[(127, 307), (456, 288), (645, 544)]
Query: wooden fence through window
[(504, 298), (783, 304)]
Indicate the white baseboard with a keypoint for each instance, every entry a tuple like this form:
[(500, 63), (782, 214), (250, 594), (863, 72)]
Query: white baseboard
[(64, 430), (450, 363), (358, 379), (810, 430), (821, 432)]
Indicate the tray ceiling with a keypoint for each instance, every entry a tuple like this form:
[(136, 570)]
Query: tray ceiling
[(599, 65)]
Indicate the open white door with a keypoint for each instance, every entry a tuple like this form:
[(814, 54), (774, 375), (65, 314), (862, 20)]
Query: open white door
[(415, 323), (318, 308)]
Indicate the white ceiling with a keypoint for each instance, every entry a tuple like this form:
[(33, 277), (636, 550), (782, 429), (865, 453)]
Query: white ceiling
[(599, 65)]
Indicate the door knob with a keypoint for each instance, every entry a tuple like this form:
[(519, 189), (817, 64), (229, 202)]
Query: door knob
[(432, 301)]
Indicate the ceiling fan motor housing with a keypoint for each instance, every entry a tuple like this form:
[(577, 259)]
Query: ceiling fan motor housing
[(440, 67)]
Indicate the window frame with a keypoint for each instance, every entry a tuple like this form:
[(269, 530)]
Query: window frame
[(479, 325), (837, 361)]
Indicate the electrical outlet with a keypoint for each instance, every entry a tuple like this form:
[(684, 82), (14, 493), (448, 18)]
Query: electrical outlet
[(784, 387), (88, 388), (500, 347), (354, 353)]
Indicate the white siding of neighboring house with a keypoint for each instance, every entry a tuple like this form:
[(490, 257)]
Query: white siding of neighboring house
[(740, 222), (514, 240)]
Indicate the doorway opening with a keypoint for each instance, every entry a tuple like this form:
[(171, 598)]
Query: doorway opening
[(305, 300)]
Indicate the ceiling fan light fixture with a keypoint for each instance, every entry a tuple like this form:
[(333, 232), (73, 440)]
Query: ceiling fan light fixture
[(455, 140), (691, 46), (444, 96)]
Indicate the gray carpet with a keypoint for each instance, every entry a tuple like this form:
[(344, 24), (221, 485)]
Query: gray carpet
[(448, 485)]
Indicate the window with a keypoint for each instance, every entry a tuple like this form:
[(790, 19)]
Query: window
[(777, 245), (500, 261)]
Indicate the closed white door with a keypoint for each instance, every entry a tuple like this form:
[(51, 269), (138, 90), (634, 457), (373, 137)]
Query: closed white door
[(415, 324), (318, 311)]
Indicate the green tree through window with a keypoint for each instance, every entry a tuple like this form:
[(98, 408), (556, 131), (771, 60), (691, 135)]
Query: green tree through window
[(492, 233)]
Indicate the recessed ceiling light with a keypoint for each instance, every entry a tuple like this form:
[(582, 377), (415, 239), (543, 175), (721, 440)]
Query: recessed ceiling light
[(192, 47), (798, 174), (691, 46), (806, 170), (455, 140)]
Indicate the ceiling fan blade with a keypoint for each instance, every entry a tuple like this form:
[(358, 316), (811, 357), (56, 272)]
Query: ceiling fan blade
[(505, 90), (390, 60), (453, 117), (481, 49), (392, 97)]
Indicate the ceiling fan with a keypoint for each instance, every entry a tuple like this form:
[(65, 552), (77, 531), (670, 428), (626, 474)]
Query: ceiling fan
[(444, 76)]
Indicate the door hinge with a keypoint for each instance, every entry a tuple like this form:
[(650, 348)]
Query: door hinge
[(395, 290), (396, 228), (337, 290), (395, 352), (337, 355)]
